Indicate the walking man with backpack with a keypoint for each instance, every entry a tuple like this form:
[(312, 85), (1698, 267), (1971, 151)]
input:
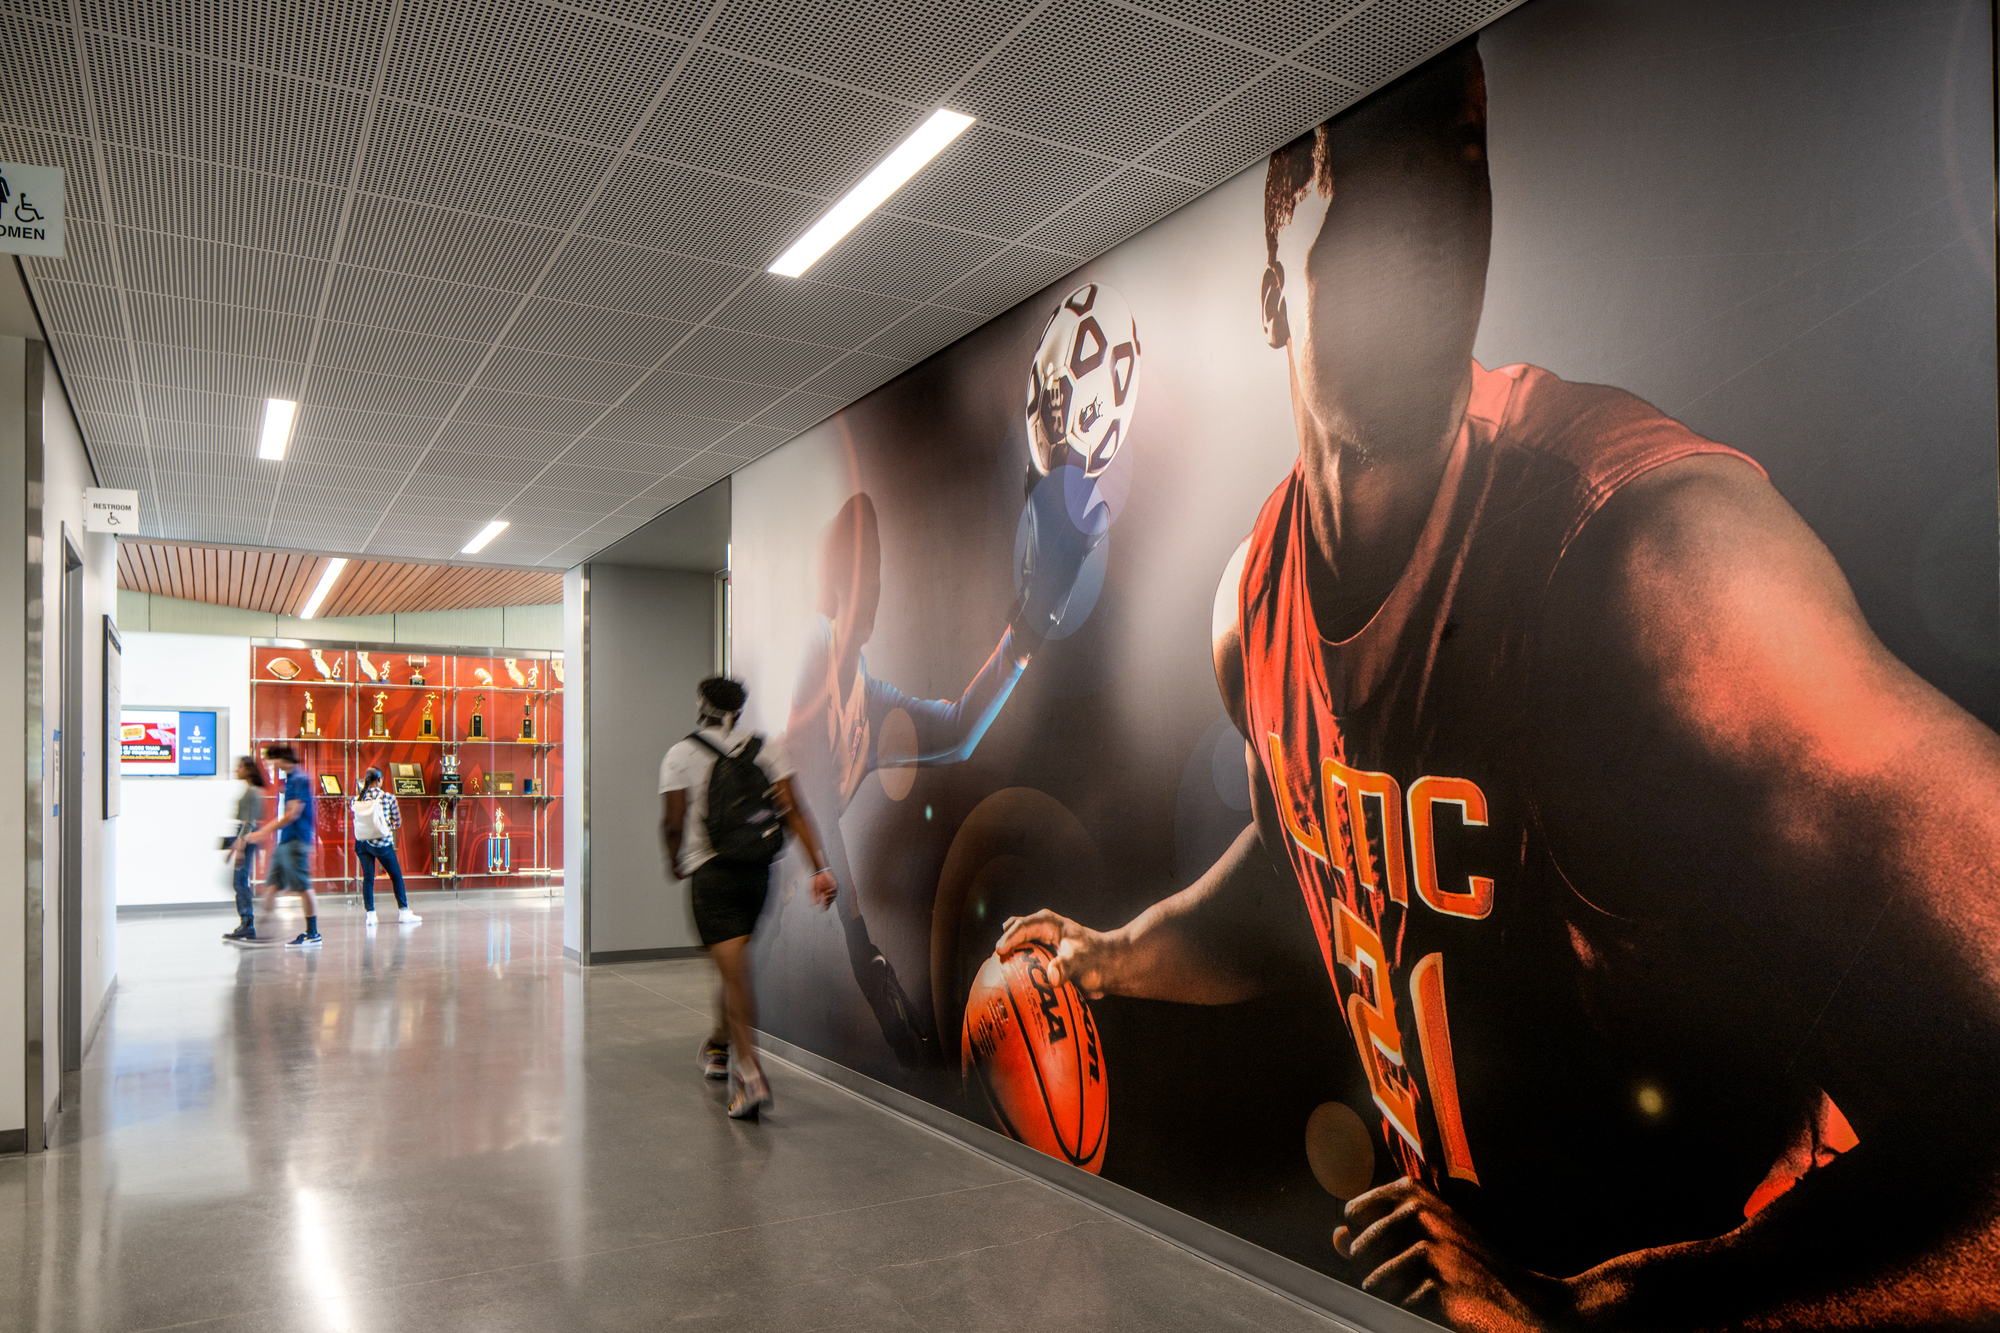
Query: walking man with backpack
[(726, 801)]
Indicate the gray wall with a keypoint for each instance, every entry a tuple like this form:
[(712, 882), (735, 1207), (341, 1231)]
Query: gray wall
[(652, 640)]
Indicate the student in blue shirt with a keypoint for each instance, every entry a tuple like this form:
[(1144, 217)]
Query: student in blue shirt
[(291, 859)]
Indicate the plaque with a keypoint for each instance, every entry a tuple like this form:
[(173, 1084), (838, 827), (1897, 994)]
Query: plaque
[(528, 720), (329, 785), (408, 779), (477, 731), (308, 720), (378, 725), (367, 666), (527, 786), (319, 664), (513, 671), (502, 784), (430, 730), (556, 666)]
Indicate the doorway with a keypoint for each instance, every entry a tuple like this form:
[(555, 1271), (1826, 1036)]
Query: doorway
[(69, 761)]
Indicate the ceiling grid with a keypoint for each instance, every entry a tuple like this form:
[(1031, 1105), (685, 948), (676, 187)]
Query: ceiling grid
[(509, 254)]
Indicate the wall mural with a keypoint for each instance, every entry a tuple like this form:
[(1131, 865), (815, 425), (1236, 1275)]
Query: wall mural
[(1435, 709)]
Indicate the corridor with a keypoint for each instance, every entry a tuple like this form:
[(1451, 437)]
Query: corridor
[(448, 1127)]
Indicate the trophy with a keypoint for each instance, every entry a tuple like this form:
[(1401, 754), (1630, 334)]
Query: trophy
[(417, 665), (499, 851), (308, 720), (444, 846), (513, 672), (528, 720), (430, 730), (555, 665), (451, 785), (319, 664), (482, 675), (534, 675), (378, 726), (368, 666), (478, 729)]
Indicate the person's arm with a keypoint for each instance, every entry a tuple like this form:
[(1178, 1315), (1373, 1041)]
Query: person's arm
[(794, 810), (673, 822), (1733, 758), (1215, 941), (287, 812), (948, 730)]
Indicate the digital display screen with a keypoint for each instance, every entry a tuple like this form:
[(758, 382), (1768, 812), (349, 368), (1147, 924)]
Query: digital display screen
[(166, 743)]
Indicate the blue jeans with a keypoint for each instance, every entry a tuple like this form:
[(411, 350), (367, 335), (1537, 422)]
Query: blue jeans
[(368, 854), (245, 895)]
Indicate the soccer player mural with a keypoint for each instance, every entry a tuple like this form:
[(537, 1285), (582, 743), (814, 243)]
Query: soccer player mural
[(1610, 934)]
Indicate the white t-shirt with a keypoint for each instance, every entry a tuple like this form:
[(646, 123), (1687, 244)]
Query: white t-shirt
[(686, 768)]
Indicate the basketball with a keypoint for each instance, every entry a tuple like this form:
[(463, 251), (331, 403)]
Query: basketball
[(1031, 1046)]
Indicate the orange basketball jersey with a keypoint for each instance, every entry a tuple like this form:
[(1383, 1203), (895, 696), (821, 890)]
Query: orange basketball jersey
[(1396, 761)]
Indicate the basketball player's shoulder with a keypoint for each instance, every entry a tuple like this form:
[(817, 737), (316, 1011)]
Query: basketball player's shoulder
[(1594, 428), (1226, 635)]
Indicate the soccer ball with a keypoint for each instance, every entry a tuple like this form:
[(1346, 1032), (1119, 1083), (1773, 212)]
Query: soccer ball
[(1084, 383)]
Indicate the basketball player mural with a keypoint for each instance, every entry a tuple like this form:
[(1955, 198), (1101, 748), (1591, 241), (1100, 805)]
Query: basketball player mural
[(1662, 903), (846, 724)]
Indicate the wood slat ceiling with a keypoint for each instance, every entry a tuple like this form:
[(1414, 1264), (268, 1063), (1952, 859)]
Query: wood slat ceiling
[(280, 582)]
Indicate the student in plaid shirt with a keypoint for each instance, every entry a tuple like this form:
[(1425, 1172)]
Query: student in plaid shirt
[(376, 820)]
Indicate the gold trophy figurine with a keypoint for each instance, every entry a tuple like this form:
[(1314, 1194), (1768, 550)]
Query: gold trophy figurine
[(478, 729), (378, 728), (430, 723), (308, 720), (528, 720)]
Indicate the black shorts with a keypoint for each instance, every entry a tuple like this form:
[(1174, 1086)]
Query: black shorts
[(728, 899)]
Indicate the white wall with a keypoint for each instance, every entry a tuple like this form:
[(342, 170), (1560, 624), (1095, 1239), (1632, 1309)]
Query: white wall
[(169, 826), (66, 472), (652, 640), (13, 749)]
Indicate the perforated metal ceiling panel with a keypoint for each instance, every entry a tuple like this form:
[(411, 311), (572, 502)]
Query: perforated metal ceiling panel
[(509, 255)]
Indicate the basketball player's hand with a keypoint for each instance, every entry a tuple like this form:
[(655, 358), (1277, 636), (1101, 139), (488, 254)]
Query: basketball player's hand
[(824, 887), (1416, 1252), (1084, 957)]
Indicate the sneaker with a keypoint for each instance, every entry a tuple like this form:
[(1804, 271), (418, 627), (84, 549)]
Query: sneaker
[(747, 1096), (241, 933), (368, 919), (405, 917), (714, 1059), (305, 941)]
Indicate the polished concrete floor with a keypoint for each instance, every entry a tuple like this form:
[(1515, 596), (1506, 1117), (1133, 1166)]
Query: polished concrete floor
[(447, 1127)]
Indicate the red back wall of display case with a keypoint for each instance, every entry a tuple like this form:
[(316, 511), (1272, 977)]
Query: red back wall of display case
[(370, 706)]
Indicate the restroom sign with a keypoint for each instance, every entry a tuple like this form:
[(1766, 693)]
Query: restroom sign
[(110, 511), (31, 210)]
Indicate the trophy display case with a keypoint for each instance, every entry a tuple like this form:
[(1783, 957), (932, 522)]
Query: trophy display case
[(468, 741)]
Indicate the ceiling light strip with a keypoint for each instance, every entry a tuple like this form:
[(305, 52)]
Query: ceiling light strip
[(326, 582), (486, 534), (278, 417), (907, 160)]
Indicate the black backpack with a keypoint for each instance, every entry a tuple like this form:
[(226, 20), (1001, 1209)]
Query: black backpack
[(743, 823)]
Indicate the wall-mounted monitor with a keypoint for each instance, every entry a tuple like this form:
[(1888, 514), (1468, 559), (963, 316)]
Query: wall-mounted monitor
[(170, 742)]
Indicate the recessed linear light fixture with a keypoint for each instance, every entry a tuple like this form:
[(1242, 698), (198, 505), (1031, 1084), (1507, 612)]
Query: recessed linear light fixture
[(486, 534), (326, 582), (909, 158), (278, 416)]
